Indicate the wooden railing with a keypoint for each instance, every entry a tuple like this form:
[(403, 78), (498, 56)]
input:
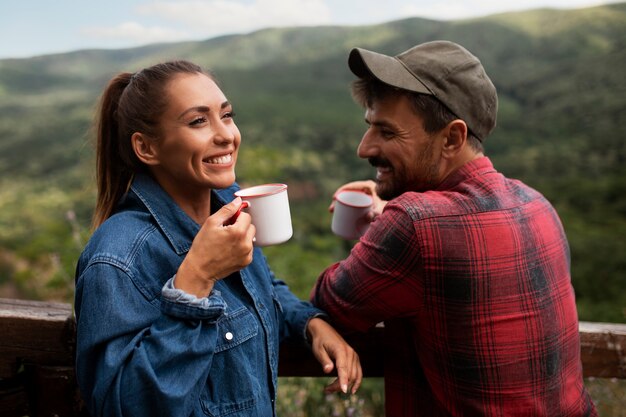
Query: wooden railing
[(37, 351)]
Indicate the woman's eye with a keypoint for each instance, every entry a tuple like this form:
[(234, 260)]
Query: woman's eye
[(197, 121), (229, 115)]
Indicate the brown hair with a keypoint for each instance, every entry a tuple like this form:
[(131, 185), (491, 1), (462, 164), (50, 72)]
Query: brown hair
[(435, 114), (130, 103)]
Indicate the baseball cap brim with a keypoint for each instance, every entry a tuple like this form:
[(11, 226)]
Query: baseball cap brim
[(385, 68)]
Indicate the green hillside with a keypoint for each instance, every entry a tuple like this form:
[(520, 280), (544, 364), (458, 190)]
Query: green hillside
[(562, 94)]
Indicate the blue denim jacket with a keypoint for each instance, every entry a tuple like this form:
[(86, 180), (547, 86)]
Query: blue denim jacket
[(147, 349)]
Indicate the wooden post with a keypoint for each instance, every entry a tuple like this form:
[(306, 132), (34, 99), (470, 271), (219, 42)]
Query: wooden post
[(37, 359), (603, 349)]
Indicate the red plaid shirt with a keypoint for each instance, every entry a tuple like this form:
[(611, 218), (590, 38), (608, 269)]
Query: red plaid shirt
[(472, 281)]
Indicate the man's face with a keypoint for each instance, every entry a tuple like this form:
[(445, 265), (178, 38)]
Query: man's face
[(405, 156)]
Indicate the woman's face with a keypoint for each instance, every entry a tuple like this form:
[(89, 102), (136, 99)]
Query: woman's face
[(199, 141)]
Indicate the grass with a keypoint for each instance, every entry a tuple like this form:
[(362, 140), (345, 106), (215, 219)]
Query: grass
[(304, 397)]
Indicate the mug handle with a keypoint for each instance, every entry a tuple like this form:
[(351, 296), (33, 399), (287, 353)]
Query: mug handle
[(234, 217)]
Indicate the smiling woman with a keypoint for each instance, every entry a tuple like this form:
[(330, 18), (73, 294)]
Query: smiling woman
[(197, 145), (177, 312)]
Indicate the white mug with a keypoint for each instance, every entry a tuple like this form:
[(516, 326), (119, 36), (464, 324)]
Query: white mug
[(268, 204), (351, 214)]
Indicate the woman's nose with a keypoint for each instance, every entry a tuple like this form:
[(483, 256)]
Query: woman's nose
[(224, 134)]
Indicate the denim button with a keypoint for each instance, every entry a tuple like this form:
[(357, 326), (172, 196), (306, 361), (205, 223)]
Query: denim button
[(228, 336)]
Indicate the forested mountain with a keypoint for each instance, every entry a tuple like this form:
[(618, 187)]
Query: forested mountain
[(562, 89)]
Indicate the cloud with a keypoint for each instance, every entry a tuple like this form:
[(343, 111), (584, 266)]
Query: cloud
[(133, 32), (215, 17), (179, 20), (370, 11), (459, 9), (451, 10)]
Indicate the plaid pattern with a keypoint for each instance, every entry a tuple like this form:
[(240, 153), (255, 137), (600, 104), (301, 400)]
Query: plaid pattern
[(472, 281)]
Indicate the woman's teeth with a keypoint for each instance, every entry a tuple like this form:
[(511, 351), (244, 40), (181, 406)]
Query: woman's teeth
[(226, 159)]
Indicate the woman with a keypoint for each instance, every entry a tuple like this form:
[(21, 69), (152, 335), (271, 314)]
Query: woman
[(177, 312)]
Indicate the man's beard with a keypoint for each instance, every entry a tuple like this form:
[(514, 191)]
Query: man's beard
[(399, 183), (386, 190)]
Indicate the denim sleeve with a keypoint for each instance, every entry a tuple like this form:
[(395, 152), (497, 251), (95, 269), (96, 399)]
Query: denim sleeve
[(140, 357), (183, 305), (296, 312)]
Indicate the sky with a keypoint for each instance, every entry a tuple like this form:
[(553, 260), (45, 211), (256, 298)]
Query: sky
[(40, 27)]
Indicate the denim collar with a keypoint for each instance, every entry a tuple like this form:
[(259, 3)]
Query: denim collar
[(177, 226)]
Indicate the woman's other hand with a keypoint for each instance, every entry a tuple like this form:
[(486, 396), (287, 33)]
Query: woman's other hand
[(332, 351)]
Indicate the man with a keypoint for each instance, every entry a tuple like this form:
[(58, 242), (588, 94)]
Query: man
[(468, 270)]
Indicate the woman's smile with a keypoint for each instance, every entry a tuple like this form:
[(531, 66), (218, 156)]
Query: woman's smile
[(225, 160)]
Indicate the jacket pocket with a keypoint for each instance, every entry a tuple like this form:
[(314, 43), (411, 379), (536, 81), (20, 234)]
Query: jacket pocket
[(233, 387), (235, 328)]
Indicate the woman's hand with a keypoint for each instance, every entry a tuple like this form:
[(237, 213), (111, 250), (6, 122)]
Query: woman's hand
[(332, 351), (368, 187), (222, 246)]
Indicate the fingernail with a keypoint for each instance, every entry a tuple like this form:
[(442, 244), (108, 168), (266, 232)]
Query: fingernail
[(327, 367), (234, 217), (344, 388)]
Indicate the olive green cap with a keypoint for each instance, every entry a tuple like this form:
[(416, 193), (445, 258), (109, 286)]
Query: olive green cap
[(442, 69)]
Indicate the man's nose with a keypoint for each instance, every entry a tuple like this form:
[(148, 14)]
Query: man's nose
[(367, 147)]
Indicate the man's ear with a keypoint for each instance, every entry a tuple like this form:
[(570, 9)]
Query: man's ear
[(145, 148), (456, 137)]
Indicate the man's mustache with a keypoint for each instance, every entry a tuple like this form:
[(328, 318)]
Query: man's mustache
[(377, 161)]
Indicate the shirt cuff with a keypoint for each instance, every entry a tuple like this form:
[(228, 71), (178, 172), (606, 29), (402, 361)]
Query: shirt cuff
[(180, 304), (322, 316)]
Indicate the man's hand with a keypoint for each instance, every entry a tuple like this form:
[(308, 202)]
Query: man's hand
[(368, 187)]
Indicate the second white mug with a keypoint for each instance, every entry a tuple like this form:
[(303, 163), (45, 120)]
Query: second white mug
[(351, 214)]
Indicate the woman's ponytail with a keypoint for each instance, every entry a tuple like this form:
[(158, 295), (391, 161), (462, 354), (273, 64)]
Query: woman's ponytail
[(112, 175)]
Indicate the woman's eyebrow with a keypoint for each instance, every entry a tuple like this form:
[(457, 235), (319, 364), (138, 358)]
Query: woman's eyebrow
[(195, 109), (202, 109)]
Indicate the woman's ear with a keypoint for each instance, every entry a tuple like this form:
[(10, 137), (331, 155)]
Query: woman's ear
[(145, 148), (456, 137)]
